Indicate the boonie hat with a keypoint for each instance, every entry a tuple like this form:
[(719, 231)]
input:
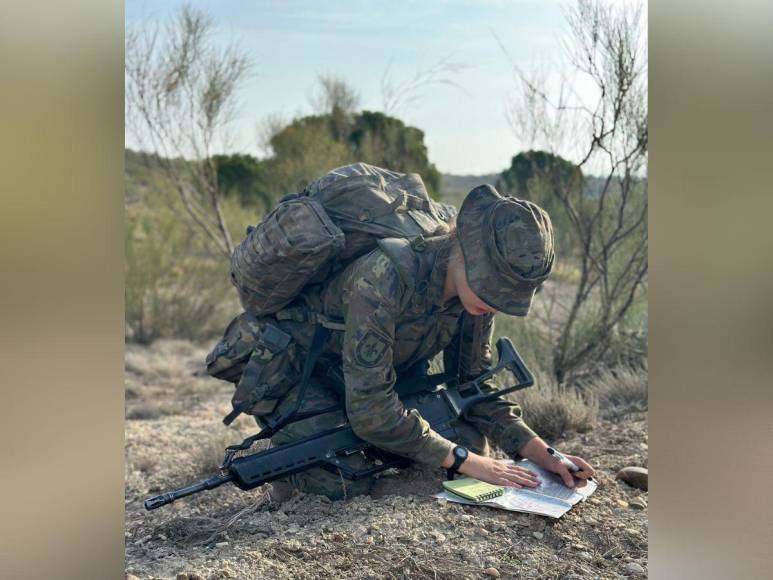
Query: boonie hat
[(508, 250)]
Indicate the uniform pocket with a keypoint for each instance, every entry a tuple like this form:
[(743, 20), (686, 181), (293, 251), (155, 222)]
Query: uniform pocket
[(227, 360), (271, 371)]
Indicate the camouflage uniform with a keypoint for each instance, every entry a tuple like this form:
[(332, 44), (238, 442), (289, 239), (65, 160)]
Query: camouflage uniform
[(395, 320)]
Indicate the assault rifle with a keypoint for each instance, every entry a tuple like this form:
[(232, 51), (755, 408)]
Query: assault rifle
[(439, 405)]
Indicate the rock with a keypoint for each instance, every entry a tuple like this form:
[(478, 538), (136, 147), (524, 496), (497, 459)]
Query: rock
[(634, 476), (370, 541), (339, 538), (638, 503), (483, 531), (594, 501), (492, 572), (538, 535), (182, 576), (221, 544), (293, 546), (130, 577), (585, 556), (621, 503), (632, 568), (440, 538)]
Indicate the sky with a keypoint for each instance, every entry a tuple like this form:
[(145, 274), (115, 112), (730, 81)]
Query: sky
[(292, 42)]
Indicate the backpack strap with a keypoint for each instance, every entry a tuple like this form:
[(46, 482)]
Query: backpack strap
[(412, 267)]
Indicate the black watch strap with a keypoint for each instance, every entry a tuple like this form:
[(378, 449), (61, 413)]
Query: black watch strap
[(460, 456)]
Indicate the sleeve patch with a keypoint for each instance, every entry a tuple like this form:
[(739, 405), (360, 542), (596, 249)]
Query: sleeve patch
[(370, 350)]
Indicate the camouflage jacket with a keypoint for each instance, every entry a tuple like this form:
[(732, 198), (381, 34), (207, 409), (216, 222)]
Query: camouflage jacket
[(394, 321)]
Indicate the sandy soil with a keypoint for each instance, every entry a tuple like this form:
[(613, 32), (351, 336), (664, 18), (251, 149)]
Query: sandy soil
[(174, 436)]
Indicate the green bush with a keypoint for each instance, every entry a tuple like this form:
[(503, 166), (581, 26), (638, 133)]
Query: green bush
[(173, 287)]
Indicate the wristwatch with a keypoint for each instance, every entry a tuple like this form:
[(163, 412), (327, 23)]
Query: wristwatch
[(460, 455)]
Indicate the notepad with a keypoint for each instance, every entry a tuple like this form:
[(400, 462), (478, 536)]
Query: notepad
[(473, 489)]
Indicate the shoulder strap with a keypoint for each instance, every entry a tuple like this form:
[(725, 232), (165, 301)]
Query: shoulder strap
[(414, 269)]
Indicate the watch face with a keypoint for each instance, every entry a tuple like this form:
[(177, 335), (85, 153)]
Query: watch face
[(460, 452)]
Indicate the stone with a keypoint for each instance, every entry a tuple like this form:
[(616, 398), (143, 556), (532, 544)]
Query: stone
[(621, 503), (370, 541), (493, 572), (483, 531), (130, 577), (632, 568), (634, 476), (221, 544), (538, 535), (638, 503), (585, 556), (338, 538)]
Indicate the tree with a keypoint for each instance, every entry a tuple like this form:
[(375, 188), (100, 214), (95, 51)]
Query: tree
[(242, 175), (606, 49), (180, 101), (309, 146), (525, 179)]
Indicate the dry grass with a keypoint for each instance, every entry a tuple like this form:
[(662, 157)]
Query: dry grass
[(553, 411), (150, 410), (621, 390), (207, 457), (146, 464)]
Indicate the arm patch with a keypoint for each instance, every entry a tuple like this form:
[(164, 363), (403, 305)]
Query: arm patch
[(370, 350)]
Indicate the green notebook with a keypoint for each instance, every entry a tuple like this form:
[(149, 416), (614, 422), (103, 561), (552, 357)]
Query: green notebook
[(473, 489)]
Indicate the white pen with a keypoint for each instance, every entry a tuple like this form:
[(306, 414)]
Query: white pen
[(570, 465)]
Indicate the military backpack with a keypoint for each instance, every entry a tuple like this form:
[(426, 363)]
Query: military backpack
[(337, 218)]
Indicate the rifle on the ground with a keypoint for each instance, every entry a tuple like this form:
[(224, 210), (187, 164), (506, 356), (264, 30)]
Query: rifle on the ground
[(439, 405)]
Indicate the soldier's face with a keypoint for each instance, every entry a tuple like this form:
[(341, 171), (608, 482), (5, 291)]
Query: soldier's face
[(468, 298)]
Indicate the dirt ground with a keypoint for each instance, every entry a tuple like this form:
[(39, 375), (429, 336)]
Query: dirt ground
[(174, 436)]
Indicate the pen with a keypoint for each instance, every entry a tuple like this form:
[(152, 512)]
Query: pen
[(570, 465)]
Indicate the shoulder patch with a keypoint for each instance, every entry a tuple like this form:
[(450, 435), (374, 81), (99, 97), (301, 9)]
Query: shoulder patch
[(370, 350)]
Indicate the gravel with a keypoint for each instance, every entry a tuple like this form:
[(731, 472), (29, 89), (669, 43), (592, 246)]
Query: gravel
[(398, 531)]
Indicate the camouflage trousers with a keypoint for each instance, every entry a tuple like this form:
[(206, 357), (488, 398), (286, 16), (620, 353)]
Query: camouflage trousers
[(324, 482)]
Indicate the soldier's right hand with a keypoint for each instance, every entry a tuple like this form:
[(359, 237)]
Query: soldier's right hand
[(492, 471)]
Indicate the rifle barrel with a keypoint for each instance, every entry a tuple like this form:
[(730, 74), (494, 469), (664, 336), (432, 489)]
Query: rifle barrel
[(166, 498)]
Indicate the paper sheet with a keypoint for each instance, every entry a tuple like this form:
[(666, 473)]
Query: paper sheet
[(551, 498)]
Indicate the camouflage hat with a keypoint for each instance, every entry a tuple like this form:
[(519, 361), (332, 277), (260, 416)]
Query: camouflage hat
[(508, 248)]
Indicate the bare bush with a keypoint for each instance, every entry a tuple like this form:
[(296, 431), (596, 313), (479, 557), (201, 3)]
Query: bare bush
[(398, 94), (608, 132), (332, 94), (180, 102)]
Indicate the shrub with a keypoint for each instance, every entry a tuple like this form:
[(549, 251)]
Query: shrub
[(208, 455), (620, 390), (552, 410), (173, 289)]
